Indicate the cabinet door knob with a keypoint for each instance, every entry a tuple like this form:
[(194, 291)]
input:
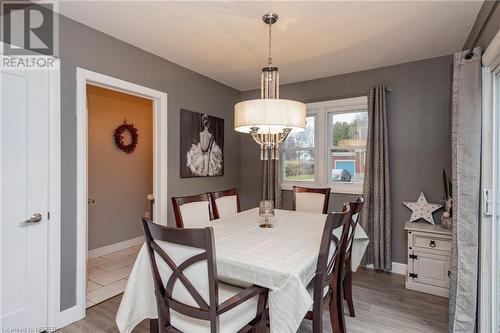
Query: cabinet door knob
[(449, 273), (432, 243)]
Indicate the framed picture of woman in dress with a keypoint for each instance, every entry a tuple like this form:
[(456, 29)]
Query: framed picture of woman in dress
[(202, 145)]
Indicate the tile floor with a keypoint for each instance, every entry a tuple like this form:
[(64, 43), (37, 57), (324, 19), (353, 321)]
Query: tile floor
[(107, 275)]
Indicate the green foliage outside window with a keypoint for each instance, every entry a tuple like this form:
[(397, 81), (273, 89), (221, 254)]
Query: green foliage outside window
[(344, 130), (299, 170)]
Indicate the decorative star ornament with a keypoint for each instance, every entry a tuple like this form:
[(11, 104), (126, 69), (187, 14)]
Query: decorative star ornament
[(421, 209)]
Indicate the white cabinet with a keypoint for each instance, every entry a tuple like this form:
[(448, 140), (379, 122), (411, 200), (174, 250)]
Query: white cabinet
[(429, 252)]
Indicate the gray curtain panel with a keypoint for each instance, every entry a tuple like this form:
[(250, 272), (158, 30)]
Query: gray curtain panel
[(466, 167), (271, 182), (376, 213)]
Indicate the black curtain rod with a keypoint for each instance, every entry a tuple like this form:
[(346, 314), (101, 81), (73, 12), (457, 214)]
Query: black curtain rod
[(342, 96)]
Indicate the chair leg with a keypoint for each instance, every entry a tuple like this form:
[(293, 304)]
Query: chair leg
[(261, 309), (348, 288), (336, 307), (332, 308), (262, 325), (340, 309), (317, 319), (153, 326)]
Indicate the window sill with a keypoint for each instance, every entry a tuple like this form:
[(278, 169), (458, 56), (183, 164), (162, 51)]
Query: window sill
[(340, 188)]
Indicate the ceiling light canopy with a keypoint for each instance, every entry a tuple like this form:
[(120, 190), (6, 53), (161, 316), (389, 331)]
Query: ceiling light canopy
[(269, 120)]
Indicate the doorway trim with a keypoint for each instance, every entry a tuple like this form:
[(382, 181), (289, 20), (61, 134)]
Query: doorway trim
[(54, 232), (84, 77)]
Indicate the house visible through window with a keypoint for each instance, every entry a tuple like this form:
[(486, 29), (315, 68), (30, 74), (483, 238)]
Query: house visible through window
[(348, 146), (332, 150)]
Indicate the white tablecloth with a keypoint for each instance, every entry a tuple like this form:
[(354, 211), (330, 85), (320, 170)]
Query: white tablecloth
[(282, 259)]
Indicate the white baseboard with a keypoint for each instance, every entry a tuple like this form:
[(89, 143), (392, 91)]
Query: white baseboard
[(69, 316), (397, 268), (426, 288), (102, 251)]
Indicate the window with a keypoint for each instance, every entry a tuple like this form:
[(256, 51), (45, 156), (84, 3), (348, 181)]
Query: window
[(332, 150), (347, 150), (299, 153)]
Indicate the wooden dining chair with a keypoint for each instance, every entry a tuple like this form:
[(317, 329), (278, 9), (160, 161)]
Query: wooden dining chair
[(188, 296), (193, 211), (226, 203), (355, 209), (326, 286), (312, 200)]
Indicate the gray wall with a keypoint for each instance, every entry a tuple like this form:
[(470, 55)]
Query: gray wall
[(419, 125), (118, 182), (81, 46), (486, 26), (419, 133), (335, 204)]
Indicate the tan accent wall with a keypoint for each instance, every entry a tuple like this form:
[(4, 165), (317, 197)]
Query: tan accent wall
[(117, 181)]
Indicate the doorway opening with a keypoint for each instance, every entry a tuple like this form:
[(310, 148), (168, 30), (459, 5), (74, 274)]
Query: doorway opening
[(119, 177)]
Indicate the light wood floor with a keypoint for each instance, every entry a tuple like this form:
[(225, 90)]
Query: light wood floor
[(107, 275), (382, 305)]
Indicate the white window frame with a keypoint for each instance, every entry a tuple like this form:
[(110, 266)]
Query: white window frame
[(316, 150), (488, 320), (322, 164)]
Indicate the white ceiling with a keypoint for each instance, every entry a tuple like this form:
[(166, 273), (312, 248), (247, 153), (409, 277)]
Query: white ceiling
[(227, 41)]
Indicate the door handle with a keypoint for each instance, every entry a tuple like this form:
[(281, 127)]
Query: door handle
[(90, 201), (35, 218)]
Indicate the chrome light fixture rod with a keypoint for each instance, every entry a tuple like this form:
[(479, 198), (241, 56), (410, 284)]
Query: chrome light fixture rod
[(269, 120), (269, 143), (270, 19)]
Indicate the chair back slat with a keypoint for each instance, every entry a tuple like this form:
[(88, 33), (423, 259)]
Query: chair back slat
[(329, 268), (177, 274), (333, 254), (195, 219), (355, 209), (300, 194), (184, 270), (219, 211)]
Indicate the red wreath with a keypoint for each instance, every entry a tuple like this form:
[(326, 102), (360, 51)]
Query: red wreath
[(119, 139)]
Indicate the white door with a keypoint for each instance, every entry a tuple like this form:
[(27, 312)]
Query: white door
[(24, 198)]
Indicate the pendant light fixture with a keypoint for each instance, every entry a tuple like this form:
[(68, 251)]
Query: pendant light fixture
[(269, 120)]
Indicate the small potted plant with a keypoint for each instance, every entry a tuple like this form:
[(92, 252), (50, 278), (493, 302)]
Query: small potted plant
[(446, 219)]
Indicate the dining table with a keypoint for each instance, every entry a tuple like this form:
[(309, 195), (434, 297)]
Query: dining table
[(282, 259)]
